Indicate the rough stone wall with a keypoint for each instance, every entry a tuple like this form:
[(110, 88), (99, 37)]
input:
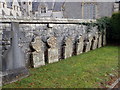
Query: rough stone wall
[(29, 32)]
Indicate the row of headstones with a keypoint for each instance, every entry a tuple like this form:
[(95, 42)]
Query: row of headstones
[(39, 56)]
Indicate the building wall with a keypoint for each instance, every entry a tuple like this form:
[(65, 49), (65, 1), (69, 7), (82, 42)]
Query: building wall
[(105, 9), (28, 32), (14, 10), (75, 10), (72, 10), (58, 14)]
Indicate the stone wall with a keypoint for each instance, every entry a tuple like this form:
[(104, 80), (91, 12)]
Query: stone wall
[(48, 43)]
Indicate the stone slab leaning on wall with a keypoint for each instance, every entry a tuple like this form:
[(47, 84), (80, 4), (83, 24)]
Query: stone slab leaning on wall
[(100, 40), (53, 50), (88, 43), (80, 45), (95, 41), (68, 47), (38, 54)]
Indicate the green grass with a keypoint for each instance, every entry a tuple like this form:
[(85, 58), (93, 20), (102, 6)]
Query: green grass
[(86, 70)]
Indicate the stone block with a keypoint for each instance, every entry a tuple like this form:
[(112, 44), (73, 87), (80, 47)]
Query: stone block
[(38, 54), (95, 42), (104, 38), (100, 41), (53, 55), (80, 45), (68, 47), (89, 43)]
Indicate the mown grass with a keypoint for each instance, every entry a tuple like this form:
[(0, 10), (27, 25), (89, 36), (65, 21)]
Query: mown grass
[(86, 70)]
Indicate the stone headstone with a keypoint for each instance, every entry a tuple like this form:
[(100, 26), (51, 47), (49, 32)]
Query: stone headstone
[(88, 43), (38, 54), (95, 42), (68, 47), (100, 40), (80, 45), (53, 50), (104, 38)]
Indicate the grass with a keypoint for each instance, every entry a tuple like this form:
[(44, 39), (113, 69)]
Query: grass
[(86, 70)]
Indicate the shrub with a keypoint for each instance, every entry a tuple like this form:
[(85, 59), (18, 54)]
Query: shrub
[(112, 26), (115, 26)]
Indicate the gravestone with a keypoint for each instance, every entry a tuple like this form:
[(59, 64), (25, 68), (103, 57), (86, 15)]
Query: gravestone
[(68, 47), (1, 56), (104, 38), (89, 43), (38, 54), (80, 45), (53, 50), (95, 41), (99, 40)]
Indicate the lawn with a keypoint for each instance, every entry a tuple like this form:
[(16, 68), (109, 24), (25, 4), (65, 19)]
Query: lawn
[(86, 70)]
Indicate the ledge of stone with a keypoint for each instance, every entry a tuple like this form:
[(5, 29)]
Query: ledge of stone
[(14, 75), (45, 20)]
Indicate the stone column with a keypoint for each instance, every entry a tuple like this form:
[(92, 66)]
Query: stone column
[(53, 50), (80, 45), (38, 54), (68, 47), (95, 41), (14, 61), (88, 43), (99, 40)]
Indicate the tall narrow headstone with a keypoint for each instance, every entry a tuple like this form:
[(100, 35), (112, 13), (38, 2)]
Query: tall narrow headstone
[(89, 43), (53, 50), (38, 54), (104, 38), (1, 32), (100, 40), (68, 47), (95, 41), (80, 45)]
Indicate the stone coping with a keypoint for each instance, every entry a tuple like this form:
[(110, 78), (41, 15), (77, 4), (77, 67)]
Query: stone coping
[(45, 20)]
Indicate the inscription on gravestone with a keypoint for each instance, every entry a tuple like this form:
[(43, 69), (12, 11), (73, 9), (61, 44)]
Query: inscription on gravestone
[(53, 50), (38, 54)]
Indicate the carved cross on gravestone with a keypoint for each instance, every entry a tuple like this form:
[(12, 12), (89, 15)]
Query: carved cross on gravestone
[(53, 50), (80, 45), (68, 47), (38, 54)]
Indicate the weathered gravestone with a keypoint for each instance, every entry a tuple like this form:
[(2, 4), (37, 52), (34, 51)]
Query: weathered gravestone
[(38, 54), (80, 45), (53, 50), (88, 43), (95, 41), (104, 38), (99, 40), (68, 47)]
